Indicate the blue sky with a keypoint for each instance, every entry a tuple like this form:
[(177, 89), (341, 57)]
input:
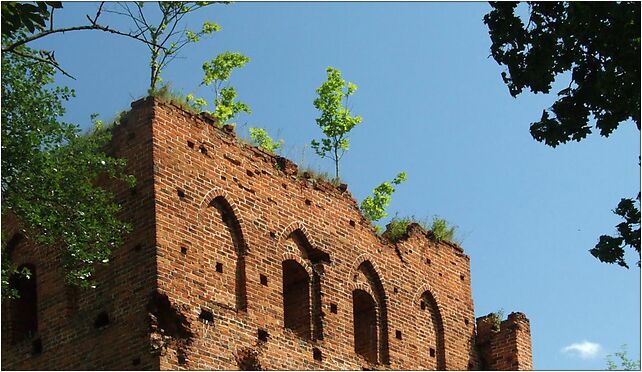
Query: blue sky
[(433, 104)]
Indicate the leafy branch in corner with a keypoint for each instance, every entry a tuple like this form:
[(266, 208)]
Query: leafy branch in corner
[(23, 23)]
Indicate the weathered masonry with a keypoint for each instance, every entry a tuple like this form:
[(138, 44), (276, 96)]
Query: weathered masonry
[(236, 262)]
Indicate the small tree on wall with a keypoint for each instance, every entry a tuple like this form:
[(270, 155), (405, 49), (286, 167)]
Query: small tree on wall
[(335, 120)]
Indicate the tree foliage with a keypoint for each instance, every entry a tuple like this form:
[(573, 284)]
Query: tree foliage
[(374, 206), (336, 120), (598, 45), (610, 249), (597, 42), (49, 173), (216, 73), (625, 364), (32, 17), (262, 139), (166, 37)]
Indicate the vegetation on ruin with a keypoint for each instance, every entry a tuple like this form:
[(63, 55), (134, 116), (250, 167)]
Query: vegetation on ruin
[(440, 228), (336, 120), (374, 206), (262, 139), (216, 73)]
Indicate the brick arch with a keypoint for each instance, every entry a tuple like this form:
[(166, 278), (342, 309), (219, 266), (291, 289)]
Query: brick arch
[(354, 267), (370, 270), (292, 227), (436, 327), (312, 259), (227, 207), (213, 194), (290, 256)]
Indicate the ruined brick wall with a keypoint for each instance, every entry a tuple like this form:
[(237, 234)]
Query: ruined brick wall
[(222, 204), (236, 262), (106, 327), (504, 344)]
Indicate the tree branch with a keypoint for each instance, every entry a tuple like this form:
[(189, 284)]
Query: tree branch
[(12, 47), (52, 62)]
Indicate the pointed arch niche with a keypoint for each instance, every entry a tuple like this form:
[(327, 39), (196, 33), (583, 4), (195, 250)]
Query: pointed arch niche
[(431, 333), (370, 315), (302, 288), (235, 238)]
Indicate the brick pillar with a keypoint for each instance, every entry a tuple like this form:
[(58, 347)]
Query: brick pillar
[(506, 345)]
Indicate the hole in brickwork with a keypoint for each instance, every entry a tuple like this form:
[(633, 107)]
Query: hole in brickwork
[(365, 325), (180, 193), (440, 274), (432, 352), (466, 321), (316, 354), (352, 223), (247, 359), (101, 320), (263, 335), (206, 316), (296, 299), (398, 335), (183, 250), (462, 277), (219, 267), (249, 173), (36, 347), (284, 186), (264, 280), (136, 361), (395, 289), (333, 308), (223, 178), (272, 235), (308, 202), (202, 149), (182, 358), (428, 261), (190, 144)]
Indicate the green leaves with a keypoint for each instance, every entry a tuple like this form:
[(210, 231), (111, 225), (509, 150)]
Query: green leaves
[(374, 206), (261, 139), (215, 73), (49, 172), (19, 16), (610, 249), (598, 43), (336, 120), (220, 68)]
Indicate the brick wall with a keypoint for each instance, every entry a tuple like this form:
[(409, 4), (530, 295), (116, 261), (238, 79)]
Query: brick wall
[(504, 344), (237, 262)]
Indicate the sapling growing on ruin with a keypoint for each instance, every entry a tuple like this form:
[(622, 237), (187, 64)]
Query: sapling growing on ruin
[(216, 74), (336, 120), (374, 206), (262, 139), (166, 37)]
